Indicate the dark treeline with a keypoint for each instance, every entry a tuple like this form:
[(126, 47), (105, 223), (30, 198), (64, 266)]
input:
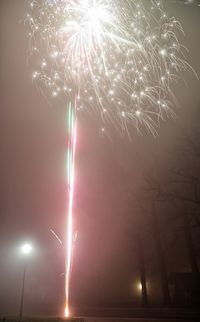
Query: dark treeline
[(165, 227)]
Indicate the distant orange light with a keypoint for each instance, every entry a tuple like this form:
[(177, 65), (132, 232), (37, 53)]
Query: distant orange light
[(139, 286)]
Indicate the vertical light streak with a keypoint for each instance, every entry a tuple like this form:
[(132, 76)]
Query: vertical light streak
[(70, 181)]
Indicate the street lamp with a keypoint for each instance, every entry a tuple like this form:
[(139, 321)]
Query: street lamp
[(25, 250)]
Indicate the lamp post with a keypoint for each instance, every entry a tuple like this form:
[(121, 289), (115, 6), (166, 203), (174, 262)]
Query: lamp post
[(25, 250)]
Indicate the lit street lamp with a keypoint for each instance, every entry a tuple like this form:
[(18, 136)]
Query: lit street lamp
[(25, 250)]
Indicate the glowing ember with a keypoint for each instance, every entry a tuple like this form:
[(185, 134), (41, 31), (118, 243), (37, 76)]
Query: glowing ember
[(67, 312)]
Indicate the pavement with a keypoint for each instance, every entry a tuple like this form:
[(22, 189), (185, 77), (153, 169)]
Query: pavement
[(94, 319)]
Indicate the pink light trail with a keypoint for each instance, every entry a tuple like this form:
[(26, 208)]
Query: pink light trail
[(72, 127)]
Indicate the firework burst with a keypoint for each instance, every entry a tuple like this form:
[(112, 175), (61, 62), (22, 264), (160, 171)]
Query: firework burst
[(120, 58)]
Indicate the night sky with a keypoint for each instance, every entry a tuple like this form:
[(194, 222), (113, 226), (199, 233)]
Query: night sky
[(109, 172)]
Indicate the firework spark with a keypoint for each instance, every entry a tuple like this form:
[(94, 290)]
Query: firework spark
[(119, 58), (56, 236)]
